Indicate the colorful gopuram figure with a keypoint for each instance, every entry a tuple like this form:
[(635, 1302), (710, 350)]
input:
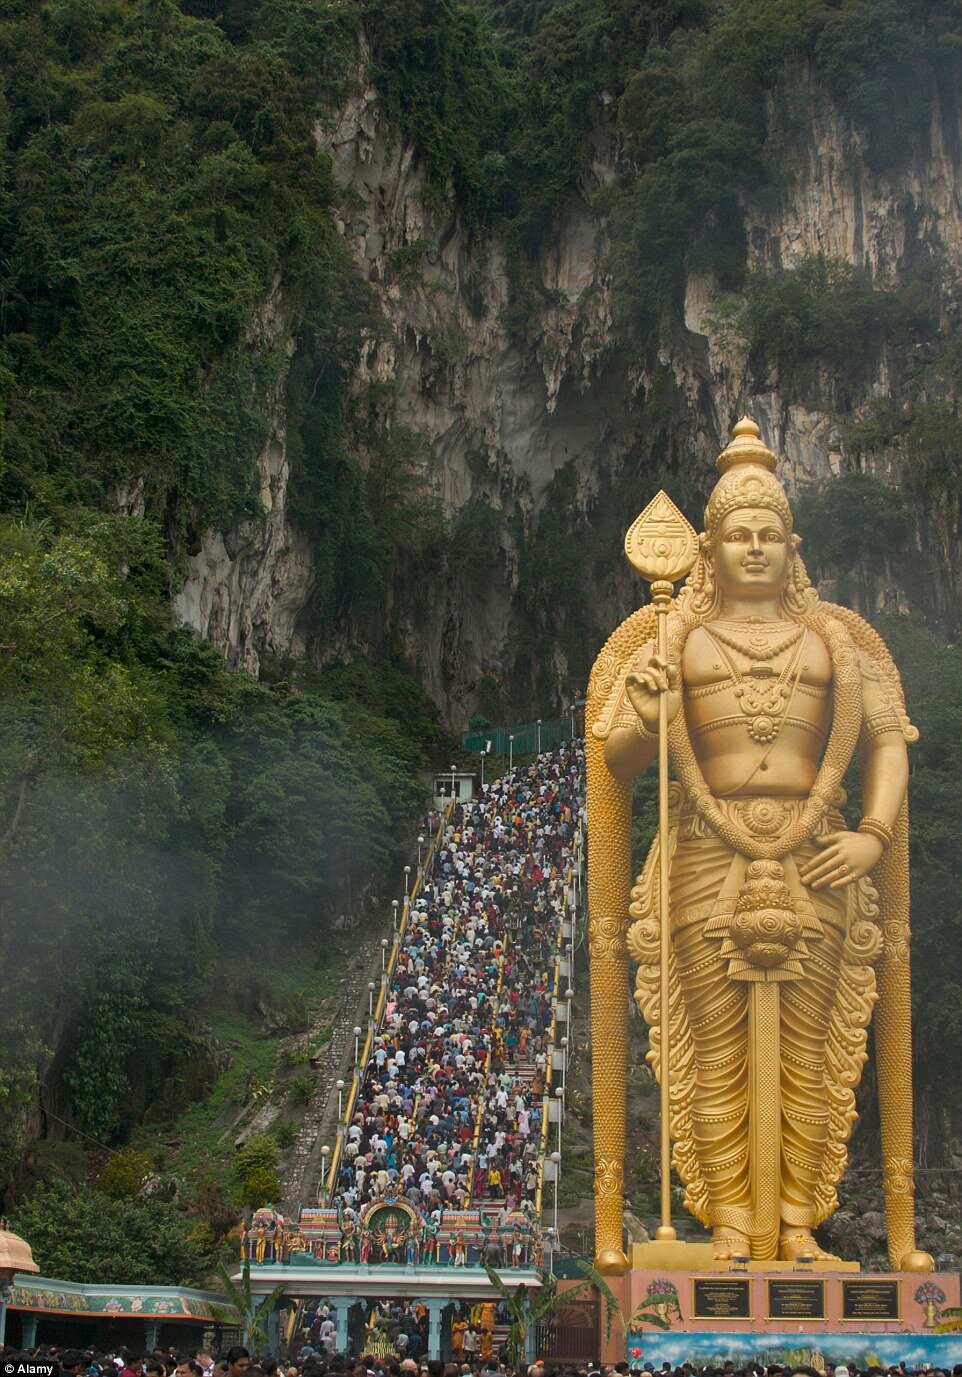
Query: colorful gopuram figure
[(348, 1228), (390, 1239), (260, 1243), (413, 1246), (788, 921), (459, 1250)]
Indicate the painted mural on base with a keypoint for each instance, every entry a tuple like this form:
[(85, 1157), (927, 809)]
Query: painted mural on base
[(815, 1350)]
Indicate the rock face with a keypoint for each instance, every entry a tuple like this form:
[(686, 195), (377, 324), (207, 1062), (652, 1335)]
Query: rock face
[(248, 589), (508, 415)]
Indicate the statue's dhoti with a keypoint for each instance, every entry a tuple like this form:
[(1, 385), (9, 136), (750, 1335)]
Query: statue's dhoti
[(819, 998)]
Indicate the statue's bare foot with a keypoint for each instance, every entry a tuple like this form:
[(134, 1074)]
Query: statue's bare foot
[(729, 1243), (796, 1243)]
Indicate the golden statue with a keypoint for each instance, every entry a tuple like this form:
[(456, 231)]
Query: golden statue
[(786, 925)]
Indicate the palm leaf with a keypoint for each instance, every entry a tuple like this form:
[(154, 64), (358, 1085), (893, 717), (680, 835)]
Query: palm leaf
[(557, 1299), (645, 1315), (508, 1296), (612, 1307), (242, 1299)]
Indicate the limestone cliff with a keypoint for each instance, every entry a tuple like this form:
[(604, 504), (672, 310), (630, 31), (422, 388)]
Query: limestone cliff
[(559, 417)]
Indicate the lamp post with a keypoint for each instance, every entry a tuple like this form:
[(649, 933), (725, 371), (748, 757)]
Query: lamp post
[(569, 996), (357, 1045), (340, 1097), (394, 908), (325, 1156), (384, 946), (556, 1159), (420, 845), (371, 987), (564, 1063), (538, 724), (453, 773), (559, 1092), (407, 880), (511, 752)]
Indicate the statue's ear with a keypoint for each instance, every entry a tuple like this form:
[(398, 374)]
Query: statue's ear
[(796, 540)]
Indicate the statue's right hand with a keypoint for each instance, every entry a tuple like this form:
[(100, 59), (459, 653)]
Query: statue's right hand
[(645, 687)]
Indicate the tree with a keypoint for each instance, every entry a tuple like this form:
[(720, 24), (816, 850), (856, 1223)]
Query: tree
[(529, 1308), (645, 1313), (253, 1317), (87, 1236)]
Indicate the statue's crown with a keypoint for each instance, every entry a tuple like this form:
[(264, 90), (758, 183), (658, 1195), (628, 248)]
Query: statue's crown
[(747, 468), (746, 447)]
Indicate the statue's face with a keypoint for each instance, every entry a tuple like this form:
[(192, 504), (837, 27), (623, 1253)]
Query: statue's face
[(752, 553)]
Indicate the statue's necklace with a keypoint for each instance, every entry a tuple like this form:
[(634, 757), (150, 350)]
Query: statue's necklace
[(754, 638), (763, 702)]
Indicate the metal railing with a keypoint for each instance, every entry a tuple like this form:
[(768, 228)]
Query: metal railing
[(530, 738)]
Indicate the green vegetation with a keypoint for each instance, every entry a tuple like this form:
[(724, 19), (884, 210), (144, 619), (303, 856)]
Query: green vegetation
[(927, 436), (932, 674), (504, 97), (254, 1311), (853, 529), (92, 1237), (159, 809), (161, 188), (256, 1166), (824, 317)]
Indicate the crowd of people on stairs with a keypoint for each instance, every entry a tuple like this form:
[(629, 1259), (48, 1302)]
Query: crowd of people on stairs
[(449, 1113)]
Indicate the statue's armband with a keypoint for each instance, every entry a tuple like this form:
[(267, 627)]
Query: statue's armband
[(880, 715)]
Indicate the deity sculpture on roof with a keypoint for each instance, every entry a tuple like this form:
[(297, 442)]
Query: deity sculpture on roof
[(787, 922)]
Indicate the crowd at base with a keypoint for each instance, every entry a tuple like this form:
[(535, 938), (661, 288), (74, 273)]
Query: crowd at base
[(238, 1362)]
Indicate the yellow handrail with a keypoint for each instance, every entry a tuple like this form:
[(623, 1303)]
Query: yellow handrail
[(374, 1025), (550, 1068)]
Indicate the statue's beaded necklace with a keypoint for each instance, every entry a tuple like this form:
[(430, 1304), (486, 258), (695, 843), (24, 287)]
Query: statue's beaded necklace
[(764, 703), (755, 633)]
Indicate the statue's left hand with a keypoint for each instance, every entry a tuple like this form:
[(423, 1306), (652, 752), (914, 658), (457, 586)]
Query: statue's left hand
[(845, 857)]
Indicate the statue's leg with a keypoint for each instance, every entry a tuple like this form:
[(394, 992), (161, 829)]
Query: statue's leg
[(717, 1010), (806, 1011), (718, 1014)]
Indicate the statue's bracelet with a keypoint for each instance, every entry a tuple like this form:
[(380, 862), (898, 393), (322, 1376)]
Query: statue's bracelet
[(643, 731), (874, 827)]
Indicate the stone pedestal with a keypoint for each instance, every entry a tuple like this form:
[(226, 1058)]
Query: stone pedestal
[(788, 1313)]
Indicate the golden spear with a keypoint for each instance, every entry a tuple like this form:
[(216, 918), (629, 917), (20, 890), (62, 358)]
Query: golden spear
[(662, 546)]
